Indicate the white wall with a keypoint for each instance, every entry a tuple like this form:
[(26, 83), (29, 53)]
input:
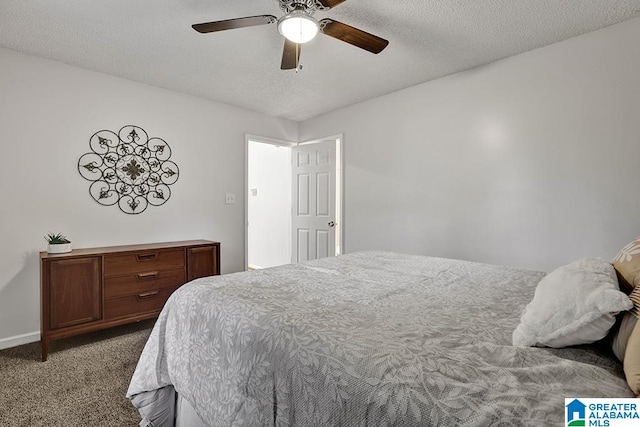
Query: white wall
[(269, 213), (48, 112), (531, 161)]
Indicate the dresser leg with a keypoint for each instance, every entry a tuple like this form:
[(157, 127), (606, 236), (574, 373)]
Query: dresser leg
[(45, 348)]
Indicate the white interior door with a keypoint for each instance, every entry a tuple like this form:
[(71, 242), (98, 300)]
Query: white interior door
[(313, 200)]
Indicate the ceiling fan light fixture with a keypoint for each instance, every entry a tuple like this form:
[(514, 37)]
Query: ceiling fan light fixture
[(298, 26)]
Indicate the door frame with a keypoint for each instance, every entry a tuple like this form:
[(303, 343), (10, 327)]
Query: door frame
[(280, 142), (264, 140)]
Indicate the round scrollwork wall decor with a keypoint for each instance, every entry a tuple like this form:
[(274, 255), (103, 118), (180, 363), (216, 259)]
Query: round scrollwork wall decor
[(129, 169)]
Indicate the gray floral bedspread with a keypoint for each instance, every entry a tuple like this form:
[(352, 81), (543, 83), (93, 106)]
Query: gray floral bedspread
[(366, 339)]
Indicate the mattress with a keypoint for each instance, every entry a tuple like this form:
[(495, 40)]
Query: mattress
[(364, 339)]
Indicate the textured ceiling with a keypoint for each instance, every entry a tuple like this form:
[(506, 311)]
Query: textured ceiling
[(152, 41)]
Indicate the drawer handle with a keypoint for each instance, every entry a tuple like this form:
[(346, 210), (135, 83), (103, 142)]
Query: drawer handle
[(147, 257), (148, 276), (147, 296)]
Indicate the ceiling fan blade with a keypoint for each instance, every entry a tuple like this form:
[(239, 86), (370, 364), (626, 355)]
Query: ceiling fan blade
[(354, 36), (230, 24), (290, 55), (330, 3)]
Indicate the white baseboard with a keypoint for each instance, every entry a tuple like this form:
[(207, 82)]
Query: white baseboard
[(254, 267), (19, 340)]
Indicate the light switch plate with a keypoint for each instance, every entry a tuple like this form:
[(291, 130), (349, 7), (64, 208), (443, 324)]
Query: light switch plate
[(230, 198)]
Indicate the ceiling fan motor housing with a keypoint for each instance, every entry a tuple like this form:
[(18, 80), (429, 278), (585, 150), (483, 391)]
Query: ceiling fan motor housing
[(308, 6)]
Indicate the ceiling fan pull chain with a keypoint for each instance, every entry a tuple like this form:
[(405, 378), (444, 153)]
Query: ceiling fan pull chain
[(298, 65)]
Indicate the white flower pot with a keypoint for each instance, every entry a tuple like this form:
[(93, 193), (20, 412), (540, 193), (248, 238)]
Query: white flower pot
[(59, 248)]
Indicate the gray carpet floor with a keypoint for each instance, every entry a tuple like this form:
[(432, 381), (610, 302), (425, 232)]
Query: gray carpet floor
[(83, 383)]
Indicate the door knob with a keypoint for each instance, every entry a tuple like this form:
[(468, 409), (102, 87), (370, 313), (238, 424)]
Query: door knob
[(331, 223)]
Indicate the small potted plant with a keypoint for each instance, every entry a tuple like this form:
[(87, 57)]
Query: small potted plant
[(58, 243)]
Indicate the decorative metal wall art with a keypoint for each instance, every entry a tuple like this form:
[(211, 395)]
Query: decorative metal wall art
[(129, 169)]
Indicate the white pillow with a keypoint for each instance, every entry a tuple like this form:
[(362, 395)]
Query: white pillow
[(575, 304)]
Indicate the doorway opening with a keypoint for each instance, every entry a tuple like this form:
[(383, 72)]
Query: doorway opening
[(272, 207), (268, 203)]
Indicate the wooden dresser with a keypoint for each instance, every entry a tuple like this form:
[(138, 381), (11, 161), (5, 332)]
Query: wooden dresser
[(90, 289)]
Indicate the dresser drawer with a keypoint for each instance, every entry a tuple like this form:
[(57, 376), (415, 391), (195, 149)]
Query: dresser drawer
[(136, 283), (131, 305), (143, 261)]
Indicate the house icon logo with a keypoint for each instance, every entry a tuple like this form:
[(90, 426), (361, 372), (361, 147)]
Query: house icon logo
[(576, 413)]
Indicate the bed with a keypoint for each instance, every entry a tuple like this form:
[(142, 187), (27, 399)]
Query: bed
[(363, 339)]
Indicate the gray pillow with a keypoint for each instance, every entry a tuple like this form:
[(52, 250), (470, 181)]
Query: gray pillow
[(574, 304)]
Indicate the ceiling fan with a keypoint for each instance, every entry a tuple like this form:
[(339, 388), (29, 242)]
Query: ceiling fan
[(298, 26)]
